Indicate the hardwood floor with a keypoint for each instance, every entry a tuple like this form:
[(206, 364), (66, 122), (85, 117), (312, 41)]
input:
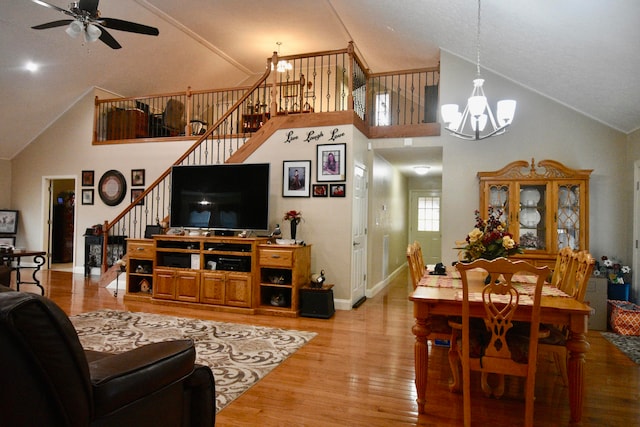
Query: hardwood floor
[(359, 371)]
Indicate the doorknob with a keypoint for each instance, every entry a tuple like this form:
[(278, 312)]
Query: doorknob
[(356, 243)]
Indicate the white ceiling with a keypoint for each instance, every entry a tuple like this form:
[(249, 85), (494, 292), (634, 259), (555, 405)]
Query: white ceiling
[(583, 53)]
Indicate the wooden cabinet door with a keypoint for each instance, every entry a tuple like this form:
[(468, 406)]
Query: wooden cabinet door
[(212, 288), (187, 286), (238, 290), (164, 285)]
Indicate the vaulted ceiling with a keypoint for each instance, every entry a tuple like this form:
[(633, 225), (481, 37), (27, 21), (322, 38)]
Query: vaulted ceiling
[(583, 53)]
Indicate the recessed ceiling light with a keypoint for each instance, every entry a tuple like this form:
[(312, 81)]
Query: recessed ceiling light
[(422, 170), (31, 66)]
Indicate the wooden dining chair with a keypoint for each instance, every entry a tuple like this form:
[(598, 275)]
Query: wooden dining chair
[(562, 267), (575, 285), (416, 267), (490, 347), (440, 329)]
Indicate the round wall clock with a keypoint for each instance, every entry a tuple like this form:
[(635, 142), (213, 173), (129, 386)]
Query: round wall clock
[(112, 187)]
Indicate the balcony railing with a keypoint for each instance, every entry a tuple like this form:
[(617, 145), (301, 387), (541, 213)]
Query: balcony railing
[(221, 121)]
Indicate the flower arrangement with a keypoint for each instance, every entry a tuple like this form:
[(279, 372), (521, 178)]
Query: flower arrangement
[(613, 270), (293, 216), (489, 239)]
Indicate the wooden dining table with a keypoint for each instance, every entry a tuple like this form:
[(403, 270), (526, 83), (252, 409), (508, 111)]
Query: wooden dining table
[(441, 295)]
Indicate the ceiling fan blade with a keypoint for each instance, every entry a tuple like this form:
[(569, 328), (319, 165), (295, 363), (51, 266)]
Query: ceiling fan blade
[(52, 6), (132, 27), (53, 24), (108, 39)]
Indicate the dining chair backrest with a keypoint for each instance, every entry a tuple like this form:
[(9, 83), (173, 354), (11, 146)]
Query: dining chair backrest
[(414, 268), (581, 269), (500, 301), (419, 257), (562, 268)]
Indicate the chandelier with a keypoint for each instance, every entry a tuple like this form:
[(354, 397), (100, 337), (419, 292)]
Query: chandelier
[(471, 123)]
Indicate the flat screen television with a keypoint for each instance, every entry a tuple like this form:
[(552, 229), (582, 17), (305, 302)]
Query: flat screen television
[(220, 197)]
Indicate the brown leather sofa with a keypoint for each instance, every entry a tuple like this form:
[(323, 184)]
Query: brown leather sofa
[(47, 379)]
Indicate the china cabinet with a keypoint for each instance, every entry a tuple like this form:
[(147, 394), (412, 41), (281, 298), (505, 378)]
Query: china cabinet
[(545, 206)]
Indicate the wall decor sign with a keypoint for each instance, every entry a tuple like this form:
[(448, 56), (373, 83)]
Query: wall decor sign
[(290, 137), (331, 162), (87, 178), (137, 177), (87, 196), (320, 190), (8, 221), (295, 178), (337, 190), (112, 187), (336, 134)]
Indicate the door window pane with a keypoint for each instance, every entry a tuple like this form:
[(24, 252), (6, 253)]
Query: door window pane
[(428, 213)]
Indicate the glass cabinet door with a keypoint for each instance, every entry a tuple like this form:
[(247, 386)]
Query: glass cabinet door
[(568, 216), (499, 199), (532, 218)]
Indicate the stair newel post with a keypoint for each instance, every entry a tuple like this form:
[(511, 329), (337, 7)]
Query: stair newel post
[(187, 130), (105, 245), (350, 52), (274, 84)]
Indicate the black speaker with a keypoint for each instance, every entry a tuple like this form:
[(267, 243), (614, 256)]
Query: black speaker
[(317, 302)]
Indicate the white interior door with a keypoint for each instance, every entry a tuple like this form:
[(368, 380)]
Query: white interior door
[(359, 236), (424, 225)]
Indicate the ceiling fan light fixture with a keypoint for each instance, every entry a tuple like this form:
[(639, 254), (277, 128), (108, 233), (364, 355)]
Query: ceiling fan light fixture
[(74, 29), (92, 33)]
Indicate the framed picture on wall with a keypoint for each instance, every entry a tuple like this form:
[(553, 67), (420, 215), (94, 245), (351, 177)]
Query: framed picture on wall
[(87, 196), (337, 190), (137, 177), (87, 178), (8, 221), (7, 241), (331, 162), (320, 190), (135, 193), (295, 178)]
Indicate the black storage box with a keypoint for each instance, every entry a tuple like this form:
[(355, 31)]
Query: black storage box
[(317, 302)]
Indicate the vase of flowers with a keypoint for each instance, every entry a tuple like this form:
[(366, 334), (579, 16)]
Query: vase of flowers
[(294, 218), (489, 239), (618, 277)]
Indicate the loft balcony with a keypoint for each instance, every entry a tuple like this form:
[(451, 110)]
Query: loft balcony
[(392, 104)]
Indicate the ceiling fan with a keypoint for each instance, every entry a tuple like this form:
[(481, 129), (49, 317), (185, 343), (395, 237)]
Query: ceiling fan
[(87, 20)]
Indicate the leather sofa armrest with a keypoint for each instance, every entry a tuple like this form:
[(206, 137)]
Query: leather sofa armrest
[(122, 378), (202, 397)]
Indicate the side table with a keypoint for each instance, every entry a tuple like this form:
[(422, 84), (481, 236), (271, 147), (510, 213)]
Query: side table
[(317, 302)]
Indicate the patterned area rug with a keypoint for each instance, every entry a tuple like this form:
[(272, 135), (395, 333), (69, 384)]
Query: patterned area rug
[(629, 345), (239, 355)]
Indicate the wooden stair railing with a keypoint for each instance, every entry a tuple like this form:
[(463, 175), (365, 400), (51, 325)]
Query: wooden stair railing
[(160, 187)]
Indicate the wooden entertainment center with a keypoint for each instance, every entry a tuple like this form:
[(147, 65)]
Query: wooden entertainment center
[(247, 275)]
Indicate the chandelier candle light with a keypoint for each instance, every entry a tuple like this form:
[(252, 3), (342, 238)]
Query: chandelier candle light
[(475, 109)]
